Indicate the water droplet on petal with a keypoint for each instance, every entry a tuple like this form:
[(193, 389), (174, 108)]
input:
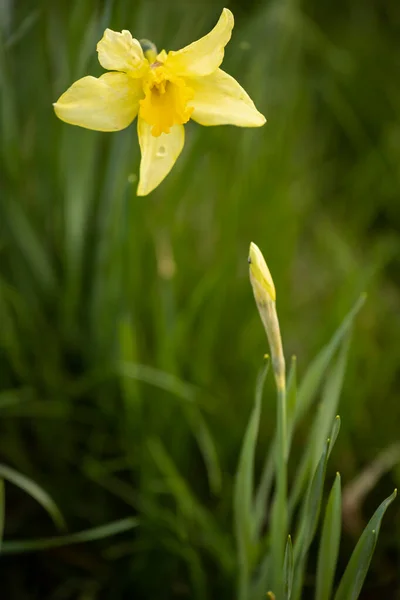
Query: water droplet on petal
[(161, 152)]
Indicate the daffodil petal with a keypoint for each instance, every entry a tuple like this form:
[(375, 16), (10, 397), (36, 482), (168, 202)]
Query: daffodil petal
[(109, 103), (121, 52), (159, 155), (220, 100), (205, 55)]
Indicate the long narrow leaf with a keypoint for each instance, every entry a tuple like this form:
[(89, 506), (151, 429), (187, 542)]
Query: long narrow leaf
[(159, 379), (189, 393), (2, 511), (327, 410), (87, 535), (191, 509), (279, 512), (329, 545), (265, 485), (291, 391), (288, 569), (304, 395), (314, 497), (313, 377), (356, 571), (34, 490), (206, 445), (309, 514), (244, 487), (263, 578)]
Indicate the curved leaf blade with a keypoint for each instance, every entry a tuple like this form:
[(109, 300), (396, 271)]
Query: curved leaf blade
[(2, 509), (288, 568), (356, 571), (313, 377), (330, 540), (34, 490), (324, 415), (87, 535), (244, 518), (310, 512)]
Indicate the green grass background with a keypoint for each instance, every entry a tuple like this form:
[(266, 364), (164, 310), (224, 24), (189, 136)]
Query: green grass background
[(129, 339)]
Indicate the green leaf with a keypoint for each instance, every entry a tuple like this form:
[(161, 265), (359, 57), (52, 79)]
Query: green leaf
[(23, 28), (322, 422), (34, 490), (334, 434), (244, 521), (314, 497), (265, 485), (87, 535), (187, 392), (291, 391), (300, 398), (309, 514), (313, 377), (288, 568), (206, 445), (188, 554), (263, 577), (329, 544), (2, 511), (29, 244), (279, 511), (356, 571), (190, 508), (160, 379)]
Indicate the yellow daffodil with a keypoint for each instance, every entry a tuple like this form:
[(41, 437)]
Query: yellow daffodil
[(164, 91)]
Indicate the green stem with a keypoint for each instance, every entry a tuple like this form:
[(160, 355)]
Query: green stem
[(279, 512)]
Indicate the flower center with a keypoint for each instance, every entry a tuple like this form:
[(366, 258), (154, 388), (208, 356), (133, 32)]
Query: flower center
[(165, 101)]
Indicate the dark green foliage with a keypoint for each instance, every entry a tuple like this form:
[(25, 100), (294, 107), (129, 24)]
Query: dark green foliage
[(129, 340)]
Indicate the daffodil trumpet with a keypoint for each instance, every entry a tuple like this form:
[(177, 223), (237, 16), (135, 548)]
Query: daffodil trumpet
[(163, 90)]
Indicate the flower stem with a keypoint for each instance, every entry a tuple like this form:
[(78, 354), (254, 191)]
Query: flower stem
[(279, 509)]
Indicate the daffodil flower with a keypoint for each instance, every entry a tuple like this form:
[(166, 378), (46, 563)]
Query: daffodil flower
[(164, 91)]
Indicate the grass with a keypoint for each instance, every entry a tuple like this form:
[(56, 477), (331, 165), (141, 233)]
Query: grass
[(129, 339)]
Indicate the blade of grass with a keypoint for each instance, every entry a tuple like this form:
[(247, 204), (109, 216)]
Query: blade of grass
[(194, 564), (23, 28), (28, 243), (191, 509), (195, 419), (267, 475), (205, 444), (357, 568), (300, 399), (263, 577), (313, 377), (160, 379), (87, 535), (291, 391), (288, 569), (9, 147), (243, 492), (279, 517), (326, 412), (309, 514), (34, 490), (2, 511), (329, 544)]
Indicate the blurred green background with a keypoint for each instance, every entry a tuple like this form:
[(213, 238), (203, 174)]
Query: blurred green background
[(129, 338)]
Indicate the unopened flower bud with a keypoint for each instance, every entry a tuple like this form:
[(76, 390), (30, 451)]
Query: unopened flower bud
[(264, 294)]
